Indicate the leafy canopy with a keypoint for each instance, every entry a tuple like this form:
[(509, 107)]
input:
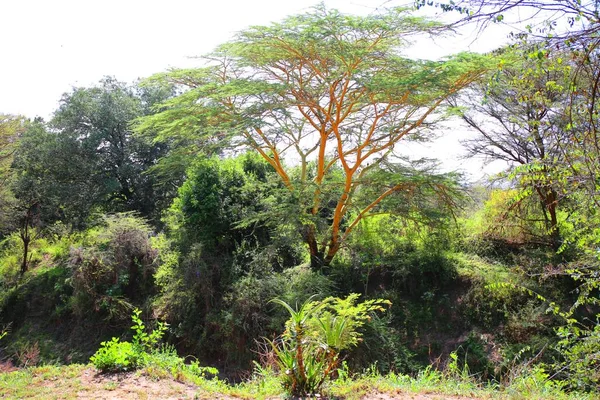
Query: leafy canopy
[(327, 92)]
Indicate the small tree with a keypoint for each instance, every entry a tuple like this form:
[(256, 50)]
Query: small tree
[(325, 91)]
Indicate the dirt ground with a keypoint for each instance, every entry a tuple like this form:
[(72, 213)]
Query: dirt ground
[(90, 384), (413, 396), (130, 386)]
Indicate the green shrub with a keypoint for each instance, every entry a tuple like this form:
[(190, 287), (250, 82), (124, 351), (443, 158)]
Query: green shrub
[(142, 340), (579, 336), (164, 361), (471, 357), (115, 356), (11, 256), (144, 351), (385, 347)]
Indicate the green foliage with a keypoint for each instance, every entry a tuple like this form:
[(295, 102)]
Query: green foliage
[(144, 352), (114, 267), (327, 87), (235, 229), (470, 360), (44, 292), (54, 178), (221, 240), (11, 251), (115, 355), (141, 339), (316, 333), (580, 335), (219, 203), (245, 317), (579, 332), (96, 122), (86, 161), (164, 362), (11, 130), (509, 218), (395, 253)]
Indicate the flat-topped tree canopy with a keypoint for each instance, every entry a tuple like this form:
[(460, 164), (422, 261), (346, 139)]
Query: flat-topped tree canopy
[(326, 94)]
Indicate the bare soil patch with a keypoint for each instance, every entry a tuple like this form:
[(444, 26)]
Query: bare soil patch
[(413, 396), (130, 385)]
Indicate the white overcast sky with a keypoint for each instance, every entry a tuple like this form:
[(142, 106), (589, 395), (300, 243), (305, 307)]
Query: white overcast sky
[(50, 46)]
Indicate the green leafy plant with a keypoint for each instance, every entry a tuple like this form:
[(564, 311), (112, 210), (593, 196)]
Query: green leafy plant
[(115, 355), (142, 340), (579, 334), (308, 352), (164, 362), (113, 269)]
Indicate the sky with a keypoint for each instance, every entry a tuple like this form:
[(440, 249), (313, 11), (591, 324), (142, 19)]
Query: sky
[(49, 47)]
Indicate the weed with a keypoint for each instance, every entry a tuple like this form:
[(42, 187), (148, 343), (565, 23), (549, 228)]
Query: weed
[(111, 385), (29, 355)]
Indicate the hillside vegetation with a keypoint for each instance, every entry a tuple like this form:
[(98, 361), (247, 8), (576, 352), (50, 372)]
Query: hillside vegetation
[(251, 229)]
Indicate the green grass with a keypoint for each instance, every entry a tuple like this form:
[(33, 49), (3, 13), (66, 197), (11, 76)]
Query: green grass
[(64, 382), (479, 269), (46, 382)]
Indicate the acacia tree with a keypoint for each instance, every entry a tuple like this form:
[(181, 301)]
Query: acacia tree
[(325, 99)]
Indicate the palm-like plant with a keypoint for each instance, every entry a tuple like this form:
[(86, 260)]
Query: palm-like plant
[(308, 352)]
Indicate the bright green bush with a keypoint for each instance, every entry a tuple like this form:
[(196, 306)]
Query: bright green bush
[(115, 356), (11, 256)]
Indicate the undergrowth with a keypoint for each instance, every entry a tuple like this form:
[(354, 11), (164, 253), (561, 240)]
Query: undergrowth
[(264, 383)]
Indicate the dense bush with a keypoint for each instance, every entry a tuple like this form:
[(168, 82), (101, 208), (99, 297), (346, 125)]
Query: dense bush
[(116, 356), (221, 240), (114, 267)]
